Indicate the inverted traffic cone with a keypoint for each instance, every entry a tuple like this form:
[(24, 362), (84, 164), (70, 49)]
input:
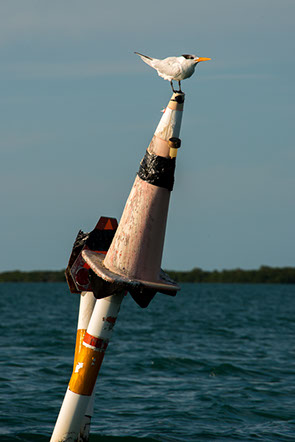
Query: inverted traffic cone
[(134, 258)]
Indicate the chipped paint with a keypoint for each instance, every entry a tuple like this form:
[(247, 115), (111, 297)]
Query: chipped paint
[(97, 344), (109, 323), (78, 366)]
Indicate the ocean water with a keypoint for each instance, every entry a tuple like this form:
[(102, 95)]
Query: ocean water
[(215, 363)]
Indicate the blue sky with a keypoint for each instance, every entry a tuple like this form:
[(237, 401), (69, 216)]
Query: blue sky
[(78, 110)]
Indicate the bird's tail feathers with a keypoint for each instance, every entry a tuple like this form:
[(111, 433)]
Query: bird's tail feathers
[(146, 59)]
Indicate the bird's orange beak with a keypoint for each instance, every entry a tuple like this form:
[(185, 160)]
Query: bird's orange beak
[(198, 59)]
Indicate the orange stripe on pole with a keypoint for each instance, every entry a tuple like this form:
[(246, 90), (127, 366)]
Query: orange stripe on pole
[(175, 106), (79, 341), (85, 372)]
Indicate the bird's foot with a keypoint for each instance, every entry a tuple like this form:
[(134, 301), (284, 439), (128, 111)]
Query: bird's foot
[(177, 92), (174, 90)]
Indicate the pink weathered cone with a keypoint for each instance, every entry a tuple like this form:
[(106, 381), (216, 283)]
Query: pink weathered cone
[(134, 257)]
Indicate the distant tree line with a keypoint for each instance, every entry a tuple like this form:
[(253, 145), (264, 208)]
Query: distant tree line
[(264, 275), (34, 276)]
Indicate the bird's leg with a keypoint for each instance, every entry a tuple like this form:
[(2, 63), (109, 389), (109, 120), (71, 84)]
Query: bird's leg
[(173, 90), (179, 84)]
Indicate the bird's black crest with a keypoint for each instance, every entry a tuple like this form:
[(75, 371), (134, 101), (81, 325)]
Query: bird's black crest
[(188, 56)]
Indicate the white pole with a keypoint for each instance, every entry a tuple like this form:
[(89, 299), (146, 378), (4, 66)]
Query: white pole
[(87, 303), (86, 421), (87, 365)]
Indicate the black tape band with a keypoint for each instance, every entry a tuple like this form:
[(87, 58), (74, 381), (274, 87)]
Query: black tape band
[(157, 170)]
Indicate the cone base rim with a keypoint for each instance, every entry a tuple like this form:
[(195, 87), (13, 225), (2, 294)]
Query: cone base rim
[(95, 260)]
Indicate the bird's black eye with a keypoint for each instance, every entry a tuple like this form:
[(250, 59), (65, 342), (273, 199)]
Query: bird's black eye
[(188, 56)]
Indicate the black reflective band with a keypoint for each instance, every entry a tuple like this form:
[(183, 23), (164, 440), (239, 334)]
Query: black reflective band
[(157, 170)]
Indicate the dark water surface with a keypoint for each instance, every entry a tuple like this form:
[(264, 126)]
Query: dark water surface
[(216, 363)]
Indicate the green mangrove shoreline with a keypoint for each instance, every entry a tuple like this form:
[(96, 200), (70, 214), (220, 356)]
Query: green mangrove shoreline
[(263, 275)]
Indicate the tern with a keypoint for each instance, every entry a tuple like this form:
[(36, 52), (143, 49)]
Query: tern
[(174, 68)]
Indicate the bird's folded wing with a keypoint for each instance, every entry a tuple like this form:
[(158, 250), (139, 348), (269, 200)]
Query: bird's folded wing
[(168, 69)]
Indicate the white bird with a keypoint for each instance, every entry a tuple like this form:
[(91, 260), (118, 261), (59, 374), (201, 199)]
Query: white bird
[(174, 68)]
